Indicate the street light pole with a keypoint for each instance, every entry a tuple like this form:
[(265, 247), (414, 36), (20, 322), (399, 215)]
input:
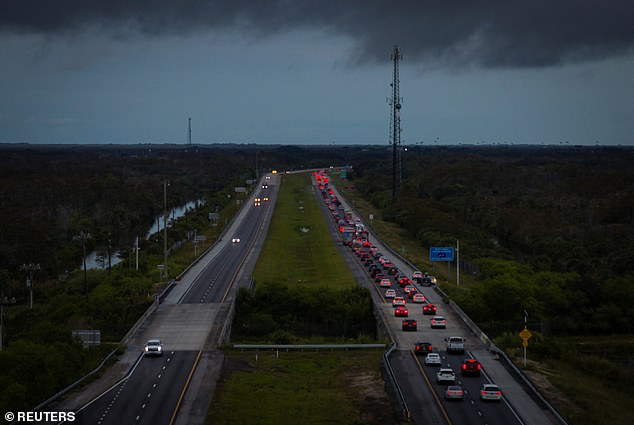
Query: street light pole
[(30, 269)]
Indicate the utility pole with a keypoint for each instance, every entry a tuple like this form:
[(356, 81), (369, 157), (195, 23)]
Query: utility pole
[(395, 122), (165, 230), (457, 263), (30, 269), (4, 300), (83, 237), (189, 133)]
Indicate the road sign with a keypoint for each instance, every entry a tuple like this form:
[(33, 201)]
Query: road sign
[(525, 334), (441, 253)]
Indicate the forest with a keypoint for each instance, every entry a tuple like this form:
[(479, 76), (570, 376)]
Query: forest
[(56, 200), (544, 229)]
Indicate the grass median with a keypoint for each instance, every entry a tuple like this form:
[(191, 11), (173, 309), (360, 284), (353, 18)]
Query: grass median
[(305, 290)]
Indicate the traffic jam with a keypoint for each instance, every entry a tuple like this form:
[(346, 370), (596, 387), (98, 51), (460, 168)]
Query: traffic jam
[(411, 307)]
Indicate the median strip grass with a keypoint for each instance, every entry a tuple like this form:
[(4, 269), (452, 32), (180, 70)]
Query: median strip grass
[(299, 248)]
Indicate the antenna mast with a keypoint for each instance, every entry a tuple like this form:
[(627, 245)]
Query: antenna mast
[(189, 133), (395, 123)]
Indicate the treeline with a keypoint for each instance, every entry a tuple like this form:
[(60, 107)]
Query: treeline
[(550, 229), (282, 314)]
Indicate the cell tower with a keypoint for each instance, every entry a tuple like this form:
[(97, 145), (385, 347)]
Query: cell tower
[(189, 133), (395, 123)]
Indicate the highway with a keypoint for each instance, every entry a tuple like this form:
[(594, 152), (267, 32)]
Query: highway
[(189, 321), (423, 396)]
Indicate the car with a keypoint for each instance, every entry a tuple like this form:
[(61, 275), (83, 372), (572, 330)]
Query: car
[(410, 294), (257, 202), (401, 311), (417, 275), (425, 281), (471, 367), (418, 298), (409, 325), (404, 281), (379, 276), (438, 322), (398, 301), (455, 344), (153, 347), (409, 288), (390, 293), (454, 392), (490, 392), (392, 271), (266, 199), (235, 240), (433, 359), (445, 376), (423, 347), (429, 309), (385, 283)]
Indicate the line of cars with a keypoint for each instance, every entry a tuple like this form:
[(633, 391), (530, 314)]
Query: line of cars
[(398, 289)]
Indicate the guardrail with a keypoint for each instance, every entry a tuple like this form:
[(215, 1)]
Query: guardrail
[(306, 346), (387, 366), (394, 382), (476, 330)]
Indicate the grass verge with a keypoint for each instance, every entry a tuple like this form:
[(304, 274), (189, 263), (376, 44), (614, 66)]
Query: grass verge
[(333, 387)]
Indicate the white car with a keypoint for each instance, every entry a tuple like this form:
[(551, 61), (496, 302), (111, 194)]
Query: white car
[(433, 359), (235, 240), (398, 301), (454, 392), (490, 392), (385, 283), (390, 293), (446, 376), (417, 275), (438, 322), (153, 347), (418, 298)]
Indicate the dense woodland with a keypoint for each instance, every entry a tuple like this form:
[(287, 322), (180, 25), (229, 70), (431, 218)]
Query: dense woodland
[(544, 229), (49, 195)]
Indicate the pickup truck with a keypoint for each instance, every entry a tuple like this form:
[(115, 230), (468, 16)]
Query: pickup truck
[(455, 344)]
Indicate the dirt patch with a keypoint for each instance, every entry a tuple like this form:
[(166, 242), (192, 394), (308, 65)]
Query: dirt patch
[(539, 376), (375, 404), (234, 364)]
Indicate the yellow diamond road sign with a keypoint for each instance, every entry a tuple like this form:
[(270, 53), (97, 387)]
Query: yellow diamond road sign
[(525, 334)]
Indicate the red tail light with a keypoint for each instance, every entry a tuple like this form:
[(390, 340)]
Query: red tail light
[(418, 347), (479, 366)]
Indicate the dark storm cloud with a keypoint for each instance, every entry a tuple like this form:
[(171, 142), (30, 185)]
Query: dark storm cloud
[(495, 33)]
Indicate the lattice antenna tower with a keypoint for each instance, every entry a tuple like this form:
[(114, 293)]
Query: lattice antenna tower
[(395, 123), (189, 133)]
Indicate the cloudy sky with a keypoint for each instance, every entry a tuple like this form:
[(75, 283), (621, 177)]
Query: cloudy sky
[(307, 72)]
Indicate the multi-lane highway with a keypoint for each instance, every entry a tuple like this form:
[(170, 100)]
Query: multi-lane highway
[(423, 396), (189, 322), (191, 319)]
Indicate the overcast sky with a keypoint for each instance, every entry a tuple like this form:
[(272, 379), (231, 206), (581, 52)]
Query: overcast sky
[(308, 72)]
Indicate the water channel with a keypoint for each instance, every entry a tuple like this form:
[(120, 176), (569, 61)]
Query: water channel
[(98, 260)]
